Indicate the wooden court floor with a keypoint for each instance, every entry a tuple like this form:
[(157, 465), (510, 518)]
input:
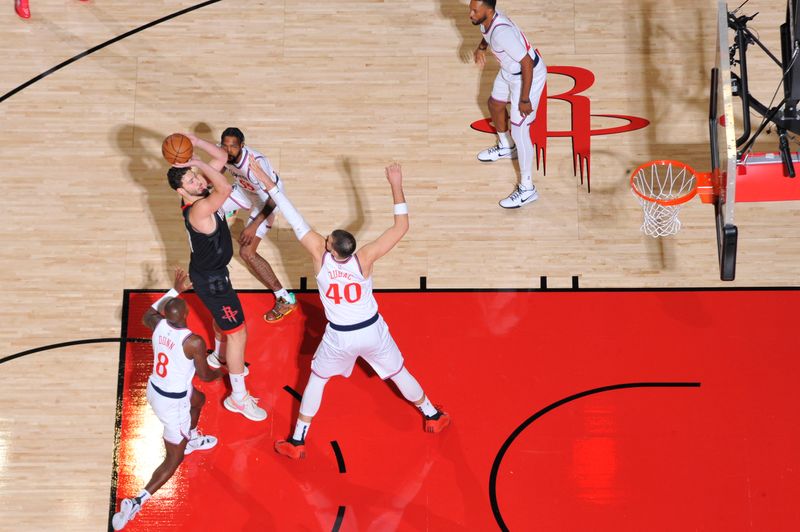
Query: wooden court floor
[(331, 92)]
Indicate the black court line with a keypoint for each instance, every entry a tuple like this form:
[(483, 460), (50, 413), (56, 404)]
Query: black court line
[(294, 393), (109, 42), (123, 345), (429, 290), (71, 343), (339, 457), (339, 518), (501, 454)]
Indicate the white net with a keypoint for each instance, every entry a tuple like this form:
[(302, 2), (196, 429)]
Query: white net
[(662, 187)]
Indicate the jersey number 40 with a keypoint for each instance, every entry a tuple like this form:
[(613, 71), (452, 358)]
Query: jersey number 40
[(351, 291)]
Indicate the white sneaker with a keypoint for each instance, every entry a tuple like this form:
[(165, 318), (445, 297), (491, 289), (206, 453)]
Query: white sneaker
[(519, 197), (201, 442), (128, 508), (247, 407), (214, 362), (497, 152)]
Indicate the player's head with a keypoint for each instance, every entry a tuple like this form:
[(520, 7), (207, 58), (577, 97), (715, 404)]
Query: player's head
[(176, 310), (232, 141), (341, 244), (480, 10), (189, 184)]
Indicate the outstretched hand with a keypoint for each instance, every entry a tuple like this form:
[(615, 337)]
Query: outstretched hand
[(182, 281), (394, 174), (259, 172)]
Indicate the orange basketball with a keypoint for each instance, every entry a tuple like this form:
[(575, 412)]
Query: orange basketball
[(177, 148)]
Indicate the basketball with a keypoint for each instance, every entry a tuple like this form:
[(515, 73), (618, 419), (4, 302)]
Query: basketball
[(177, 148)]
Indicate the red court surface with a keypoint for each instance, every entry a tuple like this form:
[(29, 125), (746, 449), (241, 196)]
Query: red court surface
[(572, 411)]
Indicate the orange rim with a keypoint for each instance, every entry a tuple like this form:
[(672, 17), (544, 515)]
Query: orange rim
[(664, 162)]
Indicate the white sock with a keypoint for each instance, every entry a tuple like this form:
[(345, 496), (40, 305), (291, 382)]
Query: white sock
[(192, 434), (239, 390), (526, 182), (503, 140), (426, 407), (282, 293), (217, 347), (300, 430), (142, 497)]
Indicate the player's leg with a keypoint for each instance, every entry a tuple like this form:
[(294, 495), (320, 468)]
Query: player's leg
[(174, 414), (197, 440), (526, 192), (240, 400), (294, 447), (128, 508), (382, 353), (22, 8), (505, 148), (285, 301), (435, 419)]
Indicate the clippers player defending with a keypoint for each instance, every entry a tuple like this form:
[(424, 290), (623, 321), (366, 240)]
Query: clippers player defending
[(520, 82), (355, 328), (249, 194), (211, 251), (177, 354)]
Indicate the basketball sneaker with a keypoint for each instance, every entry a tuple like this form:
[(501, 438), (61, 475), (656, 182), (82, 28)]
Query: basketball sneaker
[(248, 407), (282, 308), (497, 152), (22, 8), (437, 422), (291, 448), (213, 361), (201, 442), (518, 198), (128, 508)]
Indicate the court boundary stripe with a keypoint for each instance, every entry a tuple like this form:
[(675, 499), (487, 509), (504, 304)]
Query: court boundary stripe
[(123, 347), (339, 456), (100, 46), (339, 518), (524, 425)]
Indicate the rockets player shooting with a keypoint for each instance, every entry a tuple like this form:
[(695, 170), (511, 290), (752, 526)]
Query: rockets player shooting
[(355, 328), (520, 82), (177, 354)]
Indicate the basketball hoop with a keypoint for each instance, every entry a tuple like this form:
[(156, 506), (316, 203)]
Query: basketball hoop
[(662, 187)]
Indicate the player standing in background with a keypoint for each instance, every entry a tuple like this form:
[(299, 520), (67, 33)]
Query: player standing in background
[(520, 82), (177, 354), (249, 193), (211, 252), (355, 328)]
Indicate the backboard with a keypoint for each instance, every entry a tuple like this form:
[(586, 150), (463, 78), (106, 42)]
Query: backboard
[(722, 134)]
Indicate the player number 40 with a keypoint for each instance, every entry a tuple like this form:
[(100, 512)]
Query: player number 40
[(351, 291)]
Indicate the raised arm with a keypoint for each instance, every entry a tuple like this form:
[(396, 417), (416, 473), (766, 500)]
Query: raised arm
[(220, 192), (218, 156), (312, 241), (379, 247), (154, 314)]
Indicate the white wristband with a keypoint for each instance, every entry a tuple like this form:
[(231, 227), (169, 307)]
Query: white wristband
[(169, 295), (401, 208)]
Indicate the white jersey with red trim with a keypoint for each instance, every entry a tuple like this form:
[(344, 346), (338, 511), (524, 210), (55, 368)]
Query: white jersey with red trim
[(508, 43), (172, 371), (345, 293), (245, 178)]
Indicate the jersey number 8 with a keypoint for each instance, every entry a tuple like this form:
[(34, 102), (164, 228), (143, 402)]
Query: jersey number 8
[(161, 365)]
